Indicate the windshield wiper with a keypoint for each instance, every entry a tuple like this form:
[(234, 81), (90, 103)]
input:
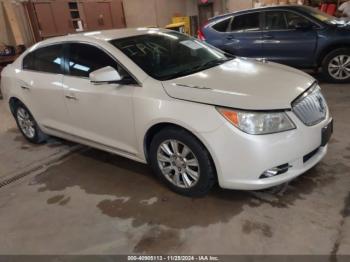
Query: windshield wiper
[(197, 68), (211, 63)]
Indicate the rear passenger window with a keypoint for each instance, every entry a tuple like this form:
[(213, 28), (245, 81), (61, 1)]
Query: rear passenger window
[(247, 22), (222, 26), (294, 19), (46, 59), (28, 61)]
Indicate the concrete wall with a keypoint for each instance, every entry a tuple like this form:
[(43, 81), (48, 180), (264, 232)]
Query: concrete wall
[(235, 5), (166, 9), (159, 12), (152, 12)]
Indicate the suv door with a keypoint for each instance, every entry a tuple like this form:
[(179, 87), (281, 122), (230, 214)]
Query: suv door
[(101, 113), (284, 43), (41, 84), (244, 36)]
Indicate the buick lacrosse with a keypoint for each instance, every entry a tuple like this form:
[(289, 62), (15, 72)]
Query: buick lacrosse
[(197, 115)]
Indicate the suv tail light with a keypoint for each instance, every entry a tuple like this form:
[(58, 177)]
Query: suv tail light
[(201, 35)]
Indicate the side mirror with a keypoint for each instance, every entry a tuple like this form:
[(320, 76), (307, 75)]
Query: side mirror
[(105, 75)]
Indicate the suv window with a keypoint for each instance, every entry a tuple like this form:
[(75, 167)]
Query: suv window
[(46, 59), (247, 22), (275, 21), (84, 59), (222, 25), (293, 19)]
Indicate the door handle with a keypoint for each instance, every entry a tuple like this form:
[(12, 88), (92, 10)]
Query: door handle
[(230, 37), (268, 37), (24, 87), (70, 97)]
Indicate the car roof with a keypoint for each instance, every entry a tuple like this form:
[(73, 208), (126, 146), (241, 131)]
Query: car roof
[(103, 35), (260, 9)]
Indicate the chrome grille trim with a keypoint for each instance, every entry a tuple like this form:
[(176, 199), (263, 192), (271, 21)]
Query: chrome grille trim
[(311, 107)]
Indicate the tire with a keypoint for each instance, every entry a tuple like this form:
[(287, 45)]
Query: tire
[(197, 160), (28, 126), (337, 59)]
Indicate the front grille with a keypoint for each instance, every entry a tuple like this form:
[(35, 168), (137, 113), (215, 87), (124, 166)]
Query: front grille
[(311, 107)]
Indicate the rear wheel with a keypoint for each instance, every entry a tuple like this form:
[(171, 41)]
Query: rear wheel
[(28, 126), (336, 66), (182, 162)]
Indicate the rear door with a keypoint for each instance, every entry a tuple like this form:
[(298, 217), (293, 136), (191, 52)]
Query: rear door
[(41, 86), (244, 35), (283, 43)]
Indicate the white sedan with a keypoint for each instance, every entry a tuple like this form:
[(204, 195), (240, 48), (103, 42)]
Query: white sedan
[(197, 115)]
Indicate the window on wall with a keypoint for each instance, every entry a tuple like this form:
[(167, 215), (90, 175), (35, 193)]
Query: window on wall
[(246, 22), (84, 59), (46, 59)]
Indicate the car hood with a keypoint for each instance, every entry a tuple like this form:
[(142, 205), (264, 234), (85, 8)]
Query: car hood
[(243, 84)]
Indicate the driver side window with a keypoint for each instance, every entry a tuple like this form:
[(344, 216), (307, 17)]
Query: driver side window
[(84, 59)]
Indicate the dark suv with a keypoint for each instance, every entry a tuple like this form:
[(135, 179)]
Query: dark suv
[(298, 36)]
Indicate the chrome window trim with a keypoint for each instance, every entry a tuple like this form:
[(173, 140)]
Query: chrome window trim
[(319, 26), (80, 42), (222, 20), (263, 29), (35, 49), (244, 31)]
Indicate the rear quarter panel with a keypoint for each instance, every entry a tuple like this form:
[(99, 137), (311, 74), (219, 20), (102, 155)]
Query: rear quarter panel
[(7, 83), (330, 39)]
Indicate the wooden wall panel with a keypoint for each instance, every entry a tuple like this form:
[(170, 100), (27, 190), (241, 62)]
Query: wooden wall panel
[(46, 21), (98, 15)]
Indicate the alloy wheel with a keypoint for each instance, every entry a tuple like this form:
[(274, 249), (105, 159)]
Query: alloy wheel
[(339, 67), (26, 123), (178, 163)]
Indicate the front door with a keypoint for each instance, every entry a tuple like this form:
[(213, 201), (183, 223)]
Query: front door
[(244, 36), (101, 113), (283, 43)]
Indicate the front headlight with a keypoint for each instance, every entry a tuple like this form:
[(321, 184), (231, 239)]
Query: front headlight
[(257, 123)]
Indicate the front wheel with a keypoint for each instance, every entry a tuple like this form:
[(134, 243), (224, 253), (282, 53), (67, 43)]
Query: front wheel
[(336, 66), (28, 126), (182, 162)]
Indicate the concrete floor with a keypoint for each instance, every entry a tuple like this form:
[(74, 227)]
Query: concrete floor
[(93, 202)]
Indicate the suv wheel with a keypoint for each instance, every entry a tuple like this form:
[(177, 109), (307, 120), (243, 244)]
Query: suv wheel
[(182, 162), (336, 66), (28, 126)]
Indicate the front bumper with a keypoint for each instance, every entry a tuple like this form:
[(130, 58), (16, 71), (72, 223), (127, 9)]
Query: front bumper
[(241, 158)]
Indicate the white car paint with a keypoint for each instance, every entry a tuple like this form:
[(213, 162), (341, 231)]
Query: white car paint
[(116, 118), (256, 85)]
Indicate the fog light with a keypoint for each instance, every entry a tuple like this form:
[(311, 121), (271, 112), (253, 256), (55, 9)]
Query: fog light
[(275, 171)]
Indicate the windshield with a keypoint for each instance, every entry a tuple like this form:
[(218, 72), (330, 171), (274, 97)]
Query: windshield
[(323, 17), (168, 55)]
